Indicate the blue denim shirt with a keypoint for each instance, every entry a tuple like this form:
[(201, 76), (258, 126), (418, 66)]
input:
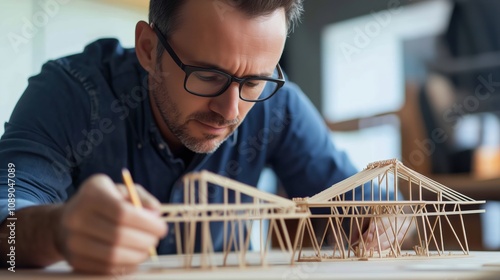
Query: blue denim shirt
[(90, 113)]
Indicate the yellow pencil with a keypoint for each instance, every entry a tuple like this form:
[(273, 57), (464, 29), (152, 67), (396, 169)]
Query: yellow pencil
[(127, 179)]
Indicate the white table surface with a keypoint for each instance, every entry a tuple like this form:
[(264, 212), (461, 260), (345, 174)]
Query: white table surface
[(478, 265)]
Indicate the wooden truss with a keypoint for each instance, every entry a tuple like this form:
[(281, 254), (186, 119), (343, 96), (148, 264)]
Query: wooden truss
[(236, 213), (243, 206), (391, 217)]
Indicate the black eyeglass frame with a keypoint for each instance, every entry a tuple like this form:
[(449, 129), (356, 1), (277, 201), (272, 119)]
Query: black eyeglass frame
[(188, 69)]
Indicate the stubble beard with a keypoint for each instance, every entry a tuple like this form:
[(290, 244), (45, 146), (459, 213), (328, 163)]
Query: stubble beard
[(171, 116)]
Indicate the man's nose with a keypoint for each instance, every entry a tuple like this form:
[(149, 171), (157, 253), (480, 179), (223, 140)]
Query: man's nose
[(227, 103)]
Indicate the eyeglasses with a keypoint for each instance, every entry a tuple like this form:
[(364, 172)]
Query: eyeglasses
[(211, 82)]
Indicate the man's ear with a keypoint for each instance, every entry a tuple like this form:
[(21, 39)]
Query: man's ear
[(145, 45)]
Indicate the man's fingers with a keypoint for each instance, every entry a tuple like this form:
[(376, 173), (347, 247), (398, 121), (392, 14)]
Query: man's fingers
[(82, 264), (109, 202), (105, 253), (101, 230), (121, 212), (123, 190), (124, 214), (126, 237), (382, 232), (148, 201), (100, 184)]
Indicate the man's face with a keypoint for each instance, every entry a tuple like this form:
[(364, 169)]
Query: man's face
[(212, 34)]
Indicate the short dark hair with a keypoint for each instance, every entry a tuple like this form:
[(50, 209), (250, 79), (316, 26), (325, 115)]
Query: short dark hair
[(165, 13)]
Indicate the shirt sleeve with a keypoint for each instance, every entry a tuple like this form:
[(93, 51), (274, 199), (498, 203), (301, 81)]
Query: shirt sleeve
[(38, 141), (305, 158)]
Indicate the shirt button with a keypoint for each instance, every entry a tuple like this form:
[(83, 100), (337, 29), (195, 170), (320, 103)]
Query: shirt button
[(161, 146), (139, 146)]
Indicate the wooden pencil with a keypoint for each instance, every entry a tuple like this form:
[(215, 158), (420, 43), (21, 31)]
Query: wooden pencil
[(134, 197)]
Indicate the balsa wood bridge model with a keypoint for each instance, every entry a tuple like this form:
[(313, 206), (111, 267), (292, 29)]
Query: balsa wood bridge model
[(381, 206)]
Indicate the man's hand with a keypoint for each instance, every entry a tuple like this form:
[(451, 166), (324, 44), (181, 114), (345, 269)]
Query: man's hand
[(102, 232), (388, 230)]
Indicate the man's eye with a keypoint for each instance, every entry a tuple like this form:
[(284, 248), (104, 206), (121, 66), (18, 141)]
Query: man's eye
[(208, 77), (253, 84)]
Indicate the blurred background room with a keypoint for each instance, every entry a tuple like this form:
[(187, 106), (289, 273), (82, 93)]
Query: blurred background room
[(414, 80)]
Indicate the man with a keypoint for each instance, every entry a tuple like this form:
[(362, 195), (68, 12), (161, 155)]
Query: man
[(201, 90)]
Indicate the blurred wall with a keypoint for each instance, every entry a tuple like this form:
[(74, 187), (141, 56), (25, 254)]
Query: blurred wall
[(34, 31), (302, 57)]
